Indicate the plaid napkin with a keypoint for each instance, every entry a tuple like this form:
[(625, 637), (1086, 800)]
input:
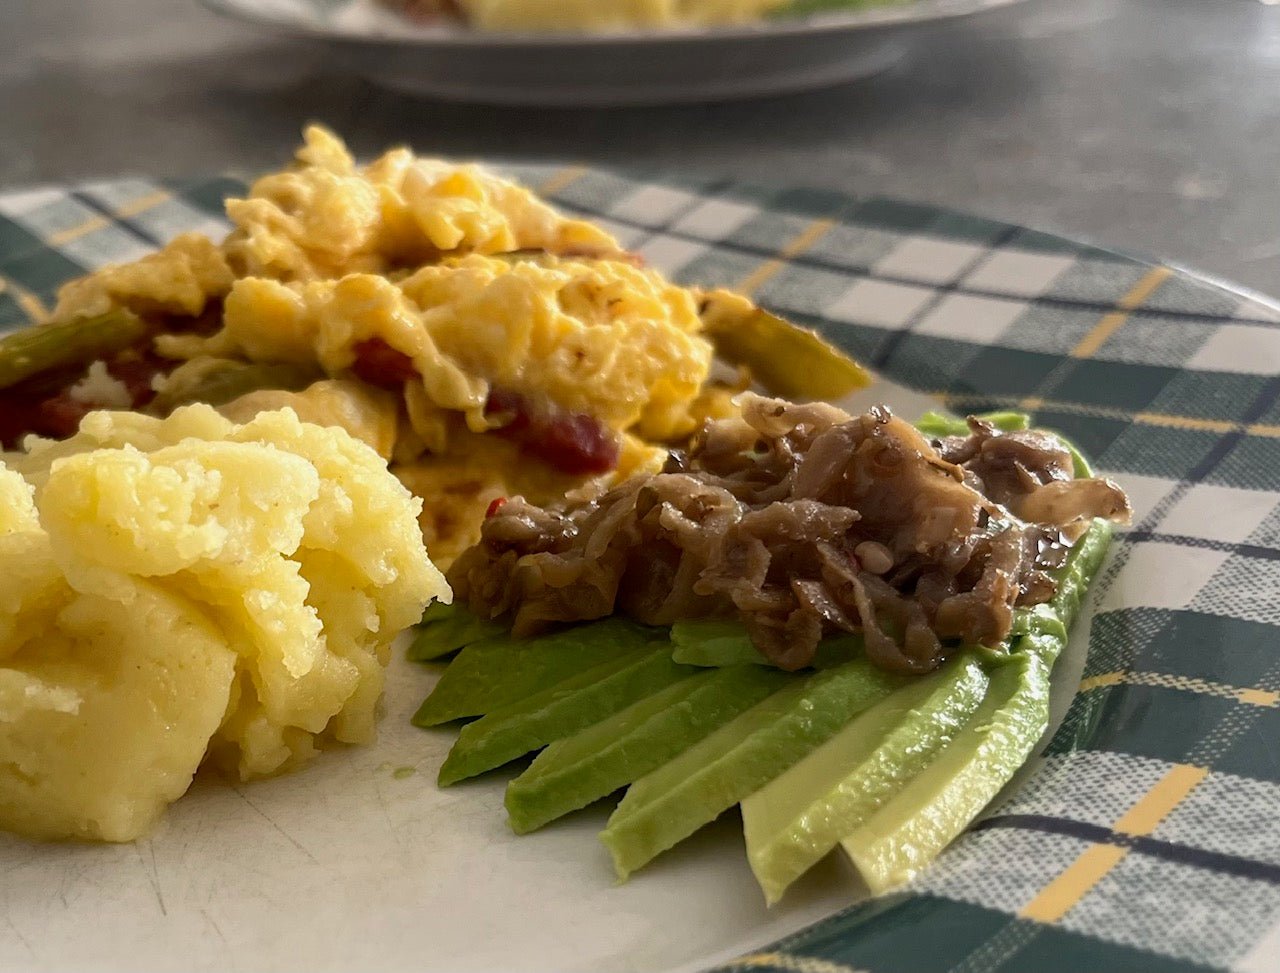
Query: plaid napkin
[(1149, 837)]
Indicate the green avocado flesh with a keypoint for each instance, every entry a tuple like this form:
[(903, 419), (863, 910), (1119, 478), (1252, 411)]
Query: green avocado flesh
[(670, 803), (909, 831), (521, 727), (1083, 562), (936, 424), (447, 628), (500, 671), (715, 642), (693, 721), (800, 815), (573, 772)]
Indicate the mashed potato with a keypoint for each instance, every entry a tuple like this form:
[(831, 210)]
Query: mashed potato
[(185, 590)]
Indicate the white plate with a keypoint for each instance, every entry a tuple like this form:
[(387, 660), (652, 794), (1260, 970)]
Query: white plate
[(635, 67), (356, 863)]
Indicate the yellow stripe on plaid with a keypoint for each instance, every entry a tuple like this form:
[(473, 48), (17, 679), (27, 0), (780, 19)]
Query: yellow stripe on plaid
[(31, 305), (1071, 885), (961, 400), (806, 238), (1061, 895), (1167, 793), (1190, 684), (561, 179), (100, 222), (792, 964), (1112, 322)]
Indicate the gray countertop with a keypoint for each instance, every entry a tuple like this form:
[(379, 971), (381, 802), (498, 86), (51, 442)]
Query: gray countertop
[(1151, 125)]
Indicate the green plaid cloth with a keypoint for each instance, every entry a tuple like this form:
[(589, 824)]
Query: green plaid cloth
[(1149, 837)]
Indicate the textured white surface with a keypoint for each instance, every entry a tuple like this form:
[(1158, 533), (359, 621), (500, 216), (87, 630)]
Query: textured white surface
[(351, 865), (347, 866)]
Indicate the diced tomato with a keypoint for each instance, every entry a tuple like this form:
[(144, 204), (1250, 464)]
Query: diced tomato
[(570, 442), (43, 405), (137, 373), (575, 444), (509, 409), (496, 504), (379, 364), (60, 416), (19, 415)]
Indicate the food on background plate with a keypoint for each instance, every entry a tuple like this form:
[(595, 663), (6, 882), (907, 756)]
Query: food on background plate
[(843, 623), (187, 592), (612, 15)]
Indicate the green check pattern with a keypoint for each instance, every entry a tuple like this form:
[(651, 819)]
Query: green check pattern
[(1148, 837)]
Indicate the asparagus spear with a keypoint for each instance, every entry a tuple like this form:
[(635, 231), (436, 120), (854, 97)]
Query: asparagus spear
[(31, 351), (217, 381)]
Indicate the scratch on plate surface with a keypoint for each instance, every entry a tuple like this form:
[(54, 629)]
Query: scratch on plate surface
[(213, 923), (153, 874), (21, 938), (271, 821)]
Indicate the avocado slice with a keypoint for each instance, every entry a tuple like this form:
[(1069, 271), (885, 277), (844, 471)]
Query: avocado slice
[(716, 642), (511, 731), (667, 805), (499, 671), (802, 814), (912, 829), (713, 642), (1075, 577), (447, 628), (573, 772), (909, 831), (938, 425)]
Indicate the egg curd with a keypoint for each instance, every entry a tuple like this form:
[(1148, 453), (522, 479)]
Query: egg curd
[(189, 591)]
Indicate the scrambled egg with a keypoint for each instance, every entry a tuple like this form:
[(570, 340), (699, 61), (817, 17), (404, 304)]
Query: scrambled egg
[(602, 338), (474, 283), (188, 590), (611, 14)]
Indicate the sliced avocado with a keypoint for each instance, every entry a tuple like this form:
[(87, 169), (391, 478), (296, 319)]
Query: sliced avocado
[(1037, 620), (909, 831), (716, 642), (531, 723), (438, 611), (442, 632), (802, 814), (1083, 562), (670, 803), (939, 425), (573, 772), (713, 642), (499, 671)]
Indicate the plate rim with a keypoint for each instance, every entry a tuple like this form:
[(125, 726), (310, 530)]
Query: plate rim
[(651, 178), (890, 15)]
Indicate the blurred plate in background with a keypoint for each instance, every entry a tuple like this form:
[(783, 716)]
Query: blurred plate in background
[(584, 69)]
